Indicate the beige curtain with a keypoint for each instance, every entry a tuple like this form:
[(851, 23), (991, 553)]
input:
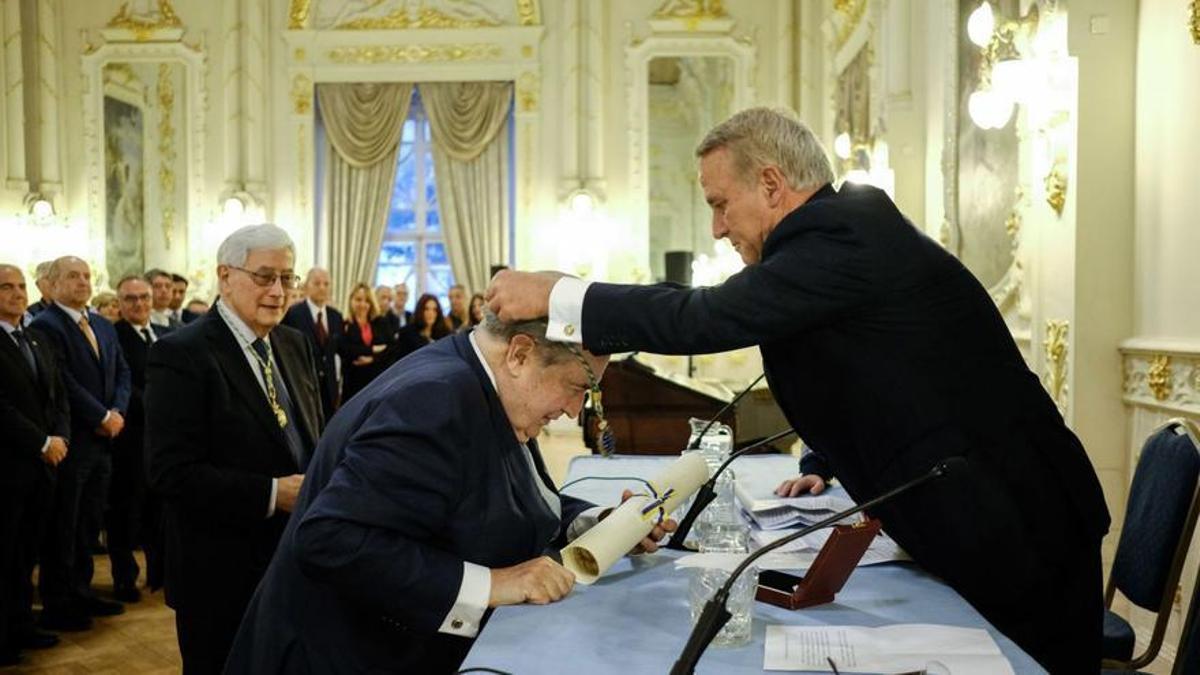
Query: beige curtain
[(469, 123), (363, 122)]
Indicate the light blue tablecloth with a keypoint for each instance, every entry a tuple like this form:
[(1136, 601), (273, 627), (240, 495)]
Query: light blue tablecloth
[(636, 620)]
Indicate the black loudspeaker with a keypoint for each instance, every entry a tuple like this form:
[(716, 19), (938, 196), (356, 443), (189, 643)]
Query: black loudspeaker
[(678, 266)]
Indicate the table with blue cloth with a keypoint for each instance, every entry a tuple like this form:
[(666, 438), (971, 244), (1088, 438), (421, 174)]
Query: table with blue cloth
[(636, 618)]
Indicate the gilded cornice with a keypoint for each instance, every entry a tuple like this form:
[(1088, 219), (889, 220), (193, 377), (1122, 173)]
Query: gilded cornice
[(415, 53), (527, 12), (302, 91), (1162, 376), (852, 12), (166, 151), (1056, 345)]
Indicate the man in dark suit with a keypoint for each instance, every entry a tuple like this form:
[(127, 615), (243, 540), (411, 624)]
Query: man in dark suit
[(426, 504), (37, 424), (162, 289), (887, 356), (399, 302), (322, 325), (97, 383), (127, 495), (232, 415)]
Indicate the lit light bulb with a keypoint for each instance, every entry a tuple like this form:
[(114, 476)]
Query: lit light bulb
[(234, 207), (582, 202), (981, 24), (42, 209), (989, 109), (841, 145)]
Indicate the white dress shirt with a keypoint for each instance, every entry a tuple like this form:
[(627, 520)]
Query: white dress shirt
[(161, 317), (566, 310), (9, 329)]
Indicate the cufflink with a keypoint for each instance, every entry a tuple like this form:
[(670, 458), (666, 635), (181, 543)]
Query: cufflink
[(456, 624), (569, 329)]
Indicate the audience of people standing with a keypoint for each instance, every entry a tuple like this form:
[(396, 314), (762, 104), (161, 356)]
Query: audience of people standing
[(367, 345), (322, 325)]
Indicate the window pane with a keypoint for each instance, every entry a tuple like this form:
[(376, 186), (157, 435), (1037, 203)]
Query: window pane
[(397, 263), (435, 253), (410, 130), (433, 221), (401, 221)]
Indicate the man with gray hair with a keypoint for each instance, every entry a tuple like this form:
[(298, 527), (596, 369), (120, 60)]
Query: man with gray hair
[(232, 415), (45, 288), (427, 503), (887, 356)]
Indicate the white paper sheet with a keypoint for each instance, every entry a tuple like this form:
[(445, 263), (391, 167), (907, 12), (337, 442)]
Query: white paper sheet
[(752, 502), (899, 648), (729, 561), (590, 556), (882, 549)]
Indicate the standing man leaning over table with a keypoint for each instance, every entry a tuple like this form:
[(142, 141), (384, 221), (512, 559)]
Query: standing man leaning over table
[(887, 356)]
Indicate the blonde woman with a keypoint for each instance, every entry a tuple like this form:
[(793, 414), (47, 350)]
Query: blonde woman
[(365, 343), (106, 305)]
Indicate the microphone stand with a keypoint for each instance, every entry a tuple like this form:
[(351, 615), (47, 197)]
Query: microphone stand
[(708, 492), (696, 443), (714, 616)]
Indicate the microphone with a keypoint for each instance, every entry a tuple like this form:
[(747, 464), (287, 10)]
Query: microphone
[(708, 492), (696, 443), (715, 615)]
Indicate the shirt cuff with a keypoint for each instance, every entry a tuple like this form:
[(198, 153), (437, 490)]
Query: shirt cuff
[(107, 414), (566, 310), (585, 521), (467, 613), (46, 445), (274, 492)]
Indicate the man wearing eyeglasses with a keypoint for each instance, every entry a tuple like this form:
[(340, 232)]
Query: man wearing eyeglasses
[(428, 504), (127, 494), (232, 415)]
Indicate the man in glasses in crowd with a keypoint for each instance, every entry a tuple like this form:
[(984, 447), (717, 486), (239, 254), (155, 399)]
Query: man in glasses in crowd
[(232, 415)]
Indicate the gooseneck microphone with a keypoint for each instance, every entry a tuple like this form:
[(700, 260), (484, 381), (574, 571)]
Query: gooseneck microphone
[(708, 492), (696, 443), (715, 615)]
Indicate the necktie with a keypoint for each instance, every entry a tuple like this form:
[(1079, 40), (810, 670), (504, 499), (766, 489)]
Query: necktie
[(280, 401), (23, 344), (87, 333), (322, 333), (146, 336)]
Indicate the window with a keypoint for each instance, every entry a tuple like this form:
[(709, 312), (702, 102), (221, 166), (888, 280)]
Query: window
[(414, 250)]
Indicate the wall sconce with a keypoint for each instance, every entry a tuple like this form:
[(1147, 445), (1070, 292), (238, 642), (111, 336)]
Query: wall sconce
[(865, 162), (41, 209), (581, 202), (1003, 72)]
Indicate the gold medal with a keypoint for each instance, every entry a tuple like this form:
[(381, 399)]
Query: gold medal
[(280, 416)]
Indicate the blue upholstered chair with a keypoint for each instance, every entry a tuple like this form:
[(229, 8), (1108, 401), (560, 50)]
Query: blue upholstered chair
[(1159, 519)]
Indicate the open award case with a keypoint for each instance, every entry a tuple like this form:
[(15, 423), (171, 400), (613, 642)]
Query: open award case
[(828, 572)]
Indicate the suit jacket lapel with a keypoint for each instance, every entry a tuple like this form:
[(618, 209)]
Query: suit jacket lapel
[(290, 364), (545, 525), (237, 371), (9, 350)]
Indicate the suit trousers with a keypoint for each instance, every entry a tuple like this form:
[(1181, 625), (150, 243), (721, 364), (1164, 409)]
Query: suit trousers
[(126, 499), (67, 568), (206, 625), (23, 508)]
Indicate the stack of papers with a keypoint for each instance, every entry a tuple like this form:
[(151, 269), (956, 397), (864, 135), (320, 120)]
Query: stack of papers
[(899, 648), (776, 513)]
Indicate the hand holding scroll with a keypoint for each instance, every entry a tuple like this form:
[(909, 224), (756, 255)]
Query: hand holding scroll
[(649, 543), (539, 581)]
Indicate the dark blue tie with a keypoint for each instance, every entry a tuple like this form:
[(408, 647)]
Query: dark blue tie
[(290, 432), (23, 345)]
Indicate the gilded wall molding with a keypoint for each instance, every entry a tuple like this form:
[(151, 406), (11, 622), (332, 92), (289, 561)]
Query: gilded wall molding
[(426, 17), (1195, 21), (298, 14), (529, 87), (690, 9), (146, 27), (302, 93), (1162, 376), (1056, 345), (1056, 191), (851, 13), (528, 13), (415, 53), (166, 151)]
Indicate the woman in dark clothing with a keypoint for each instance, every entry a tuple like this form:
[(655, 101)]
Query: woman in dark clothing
[(365, 343)]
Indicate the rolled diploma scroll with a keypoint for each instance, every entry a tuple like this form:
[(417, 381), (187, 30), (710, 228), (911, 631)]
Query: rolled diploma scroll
[(591, 555)]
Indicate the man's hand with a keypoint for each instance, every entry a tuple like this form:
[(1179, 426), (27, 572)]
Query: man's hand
[(364, 360), (539, 581), (55, 452), (112, 425), (649, 543), (286, 492), (794, 487), (520, 296)]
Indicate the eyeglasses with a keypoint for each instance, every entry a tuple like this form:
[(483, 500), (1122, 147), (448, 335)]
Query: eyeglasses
[(268, 279), (144, 297)]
